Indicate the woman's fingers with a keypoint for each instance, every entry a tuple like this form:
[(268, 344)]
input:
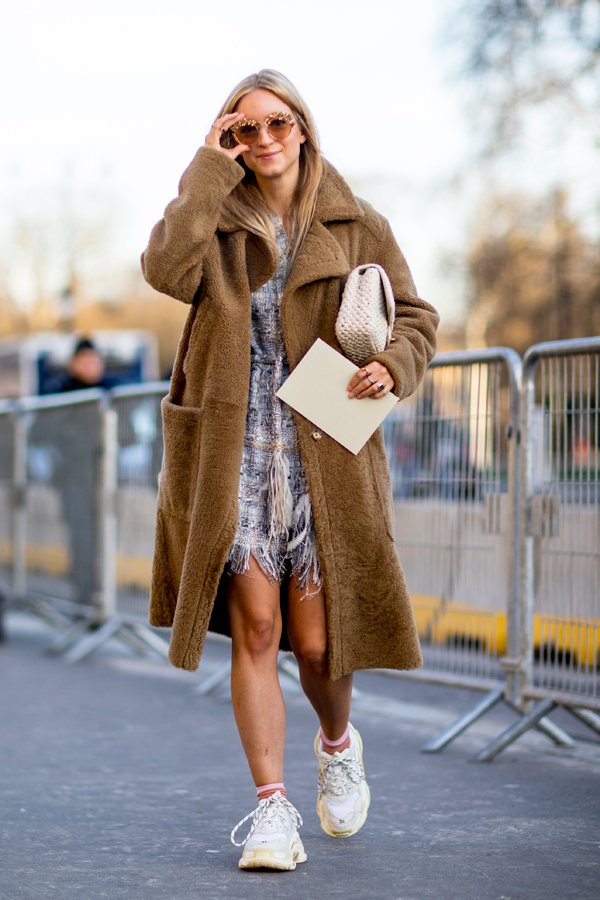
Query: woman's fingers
[(220, 125), (373, 380)]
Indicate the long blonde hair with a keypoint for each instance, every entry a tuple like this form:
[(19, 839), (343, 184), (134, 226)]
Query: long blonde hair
[(246, 202)]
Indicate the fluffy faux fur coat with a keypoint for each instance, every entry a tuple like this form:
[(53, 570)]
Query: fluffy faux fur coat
[(199, 256)]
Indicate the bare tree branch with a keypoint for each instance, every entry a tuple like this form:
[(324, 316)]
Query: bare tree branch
[(524, 53)]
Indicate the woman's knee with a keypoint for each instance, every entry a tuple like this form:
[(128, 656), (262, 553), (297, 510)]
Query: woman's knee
[(312, 655), (257, 635)]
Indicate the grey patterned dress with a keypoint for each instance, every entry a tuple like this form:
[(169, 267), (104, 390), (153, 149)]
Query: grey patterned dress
[(275, 523)]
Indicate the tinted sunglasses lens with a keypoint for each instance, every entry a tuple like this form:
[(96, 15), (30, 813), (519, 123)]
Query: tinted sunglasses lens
[(247, 133), (279, 128), (227, 140)]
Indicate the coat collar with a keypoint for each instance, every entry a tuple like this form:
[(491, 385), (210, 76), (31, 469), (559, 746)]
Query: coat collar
[(335, 200), (320, 255)]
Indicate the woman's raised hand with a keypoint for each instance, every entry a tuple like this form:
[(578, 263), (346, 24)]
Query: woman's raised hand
[(213, 138), (373, 380)]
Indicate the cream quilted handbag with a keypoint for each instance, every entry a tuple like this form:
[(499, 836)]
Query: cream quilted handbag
[(367, 312)]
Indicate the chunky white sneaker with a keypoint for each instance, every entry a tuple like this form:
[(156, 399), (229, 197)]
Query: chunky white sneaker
[(344, 797), (273, 841)]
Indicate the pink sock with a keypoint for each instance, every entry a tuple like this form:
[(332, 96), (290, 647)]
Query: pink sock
[(342, 743), (267, 790)]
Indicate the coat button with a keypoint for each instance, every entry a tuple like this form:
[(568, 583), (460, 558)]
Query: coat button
[(316, 435)]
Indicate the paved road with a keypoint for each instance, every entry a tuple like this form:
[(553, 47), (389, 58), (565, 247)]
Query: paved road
[(117, 781)]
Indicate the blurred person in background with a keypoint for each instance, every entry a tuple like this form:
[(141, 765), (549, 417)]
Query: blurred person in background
[(267, 529), (85, 370)]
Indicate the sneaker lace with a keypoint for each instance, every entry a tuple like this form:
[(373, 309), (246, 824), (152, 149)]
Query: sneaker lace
[(338, 774), (270, 811)]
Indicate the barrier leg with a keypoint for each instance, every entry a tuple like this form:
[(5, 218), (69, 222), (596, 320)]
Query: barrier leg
[(44, 611), (586, 716), (146, 636), (464, 722), (207, 685), (549, 729), (130, 639), (556, 734), (92, 641), (70, 636), (510, 735), (288, 667), (134, 634)]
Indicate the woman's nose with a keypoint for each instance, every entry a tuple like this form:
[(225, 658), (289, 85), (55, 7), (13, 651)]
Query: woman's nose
[(264, 137)]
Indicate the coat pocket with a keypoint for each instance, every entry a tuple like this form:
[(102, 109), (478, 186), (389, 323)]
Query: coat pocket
[(382, 482), (181, 440)]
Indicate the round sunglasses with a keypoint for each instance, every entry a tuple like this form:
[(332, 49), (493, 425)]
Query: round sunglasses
[(278, 124)]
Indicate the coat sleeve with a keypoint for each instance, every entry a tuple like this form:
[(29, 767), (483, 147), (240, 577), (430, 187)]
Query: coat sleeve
[(172, 262), (414, 336)]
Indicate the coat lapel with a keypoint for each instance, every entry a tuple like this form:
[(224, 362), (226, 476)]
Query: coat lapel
[(320, 256), (261, 261)]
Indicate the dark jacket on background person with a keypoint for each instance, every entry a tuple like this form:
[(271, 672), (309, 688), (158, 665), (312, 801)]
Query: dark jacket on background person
[(198, 255), (64, 381)]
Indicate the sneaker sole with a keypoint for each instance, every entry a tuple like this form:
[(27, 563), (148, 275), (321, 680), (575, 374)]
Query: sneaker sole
[(366, 796), (266, 859)]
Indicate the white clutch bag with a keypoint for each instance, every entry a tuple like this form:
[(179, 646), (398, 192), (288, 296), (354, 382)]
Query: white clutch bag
[(366, 316)]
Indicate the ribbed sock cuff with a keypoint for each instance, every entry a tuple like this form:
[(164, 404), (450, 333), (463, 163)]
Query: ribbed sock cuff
[(339, 741), (265, 790)]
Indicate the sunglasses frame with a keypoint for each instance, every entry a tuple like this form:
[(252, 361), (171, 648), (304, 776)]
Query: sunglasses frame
[(268, 120)]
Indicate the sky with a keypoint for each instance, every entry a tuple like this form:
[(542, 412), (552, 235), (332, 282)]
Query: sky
[(104, 105)]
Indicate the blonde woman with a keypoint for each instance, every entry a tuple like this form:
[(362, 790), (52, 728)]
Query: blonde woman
[(267, 529)]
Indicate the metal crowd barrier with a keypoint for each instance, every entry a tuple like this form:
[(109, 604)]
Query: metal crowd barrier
[(559, 610), (453, 450), (453, 454), (57, 560), (58, 485), (495, 482)]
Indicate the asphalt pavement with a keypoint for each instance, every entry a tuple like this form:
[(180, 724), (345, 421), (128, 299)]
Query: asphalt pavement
[(118, 781)]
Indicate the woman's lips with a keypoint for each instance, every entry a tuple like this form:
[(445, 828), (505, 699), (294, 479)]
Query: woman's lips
[(268, 155)]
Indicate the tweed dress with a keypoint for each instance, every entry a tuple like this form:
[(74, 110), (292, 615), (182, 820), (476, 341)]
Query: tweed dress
[(275, 523)]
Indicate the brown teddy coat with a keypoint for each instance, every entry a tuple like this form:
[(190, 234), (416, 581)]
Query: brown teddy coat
[(197, 254)]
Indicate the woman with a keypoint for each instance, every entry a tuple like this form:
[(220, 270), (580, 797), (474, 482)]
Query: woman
[(267, 529)]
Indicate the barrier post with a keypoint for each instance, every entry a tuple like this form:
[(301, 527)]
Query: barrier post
[(127, 540), (18, 508), (103, 628), (108, 513), (8, 497)]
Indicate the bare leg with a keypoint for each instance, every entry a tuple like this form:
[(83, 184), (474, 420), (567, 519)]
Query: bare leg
[(307, 631), (255, 618)]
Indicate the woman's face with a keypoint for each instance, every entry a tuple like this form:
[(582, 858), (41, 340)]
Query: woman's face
[(269, 158)]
